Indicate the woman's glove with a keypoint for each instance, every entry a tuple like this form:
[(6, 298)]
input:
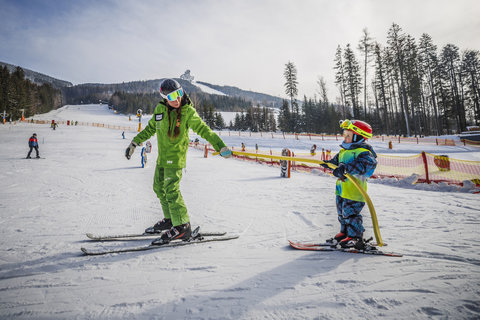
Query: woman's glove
[(225, 152), (130, 149)]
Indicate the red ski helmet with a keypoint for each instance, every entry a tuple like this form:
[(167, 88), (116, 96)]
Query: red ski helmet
[(358, 127)]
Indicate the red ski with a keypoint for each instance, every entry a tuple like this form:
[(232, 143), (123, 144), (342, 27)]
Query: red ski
[(324, 247)]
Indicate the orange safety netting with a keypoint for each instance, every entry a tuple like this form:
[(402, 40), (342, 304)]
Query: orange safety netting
[(443, 168), (81, 123), (428, 167), (399, 167)]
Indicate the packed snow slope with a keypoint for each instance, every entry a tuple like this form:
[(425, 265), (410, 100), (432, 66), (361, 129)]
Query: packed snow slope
[(85, 184)]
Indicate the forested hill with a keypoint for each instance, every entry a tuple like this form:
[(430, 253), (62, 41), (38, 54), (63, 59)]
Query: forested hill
[(92, 92), (37, 77), (128, 96)]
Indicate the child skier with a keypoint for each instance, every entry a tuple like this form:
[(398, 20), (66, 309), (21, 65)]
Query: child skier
[(358, 159), (33, 144), (171, 121)]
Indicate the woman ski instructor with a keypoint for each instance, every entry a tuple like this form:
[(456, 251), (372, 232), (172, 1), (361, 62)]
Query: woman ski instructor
[(171, 121)]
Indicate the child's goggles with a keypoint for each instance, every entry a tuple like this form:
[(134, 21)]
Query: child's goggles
[(348, 125), (172, 96)]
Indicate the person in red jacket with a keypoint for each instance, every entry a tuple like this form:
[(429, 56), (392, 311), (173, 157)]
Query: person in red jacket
[(33, 144)]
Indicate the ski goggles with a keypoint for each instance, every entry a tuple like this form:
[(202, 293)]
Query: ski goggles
[(172, 96), (348, 125)]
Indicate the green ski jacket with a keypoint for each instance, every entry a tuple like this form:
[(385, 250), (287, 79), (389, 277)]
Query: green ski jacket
[(172, 152)]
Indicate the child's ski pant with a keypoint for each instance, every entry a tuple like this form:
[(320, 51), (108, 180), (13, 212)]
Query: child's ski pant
[(166, 185), (351, 221)]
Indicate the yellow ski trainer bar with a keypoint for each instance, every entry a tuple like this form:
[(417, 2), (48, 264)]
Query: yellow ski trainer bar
[(376, 228)]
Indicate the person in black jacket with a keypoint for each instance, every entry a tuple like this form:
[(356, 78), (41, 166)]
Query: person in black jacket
[(33, 144)]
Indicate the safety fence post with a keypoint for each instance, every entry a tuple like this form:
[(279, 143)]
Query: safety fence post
[(285, 165), (424, 156)]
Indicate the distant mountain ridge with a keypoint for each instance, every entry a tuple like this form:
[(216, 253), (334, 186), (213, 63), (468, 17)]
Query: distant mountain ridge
[(37, 77), (272, 101), (152, 86), (103, 91)]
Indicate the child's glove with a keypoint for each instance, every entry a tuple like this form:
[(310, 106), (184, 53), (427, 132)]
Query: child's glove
[(225, 152), (339, 172), (325, 164), (130, 149)]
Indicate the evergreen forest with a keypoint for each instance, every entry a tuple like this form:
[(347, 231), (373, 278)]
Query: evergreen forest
[(404, 87), (18, 94)]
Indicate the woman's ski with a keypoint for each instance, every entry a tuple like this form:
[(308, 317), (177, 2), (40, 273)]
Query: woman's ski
[(176, 243), (139, 236)]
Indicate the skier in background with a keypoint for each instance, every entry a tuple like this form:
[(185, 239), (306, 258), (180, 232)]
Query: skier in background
[(171, 121), (33, 144), (358, 159)]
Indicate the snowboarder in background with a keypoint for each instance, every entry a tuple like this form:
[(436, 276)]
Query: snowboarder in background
[(123, 134), (357, 158), (313, 150), (33, 144), (171, 121)]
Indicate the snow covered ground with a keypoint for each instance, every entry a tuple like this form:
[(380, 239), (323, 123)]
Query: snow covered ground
[(85, 184)]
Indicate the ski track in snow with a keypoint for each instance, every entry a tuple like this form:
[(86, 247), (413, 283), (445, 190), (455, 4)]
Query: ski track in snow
[(85, 184)]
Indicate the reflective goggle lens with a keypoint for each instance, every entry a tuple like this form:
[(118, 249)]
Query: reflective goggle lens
[(175, 95), (348, 125)]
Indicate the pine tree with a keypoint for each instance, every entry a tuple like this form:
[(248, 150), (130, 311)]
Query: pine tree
[(309, 115), (450, 60), (381, 87), (340, 77), (413, 84), (285, 118), (429, 69), (272, 122), (236, 122), (353, 80), (322, 90), (4, 80), (219, 122), (396, 41), (291, 83), (471, 70), (366, 46)]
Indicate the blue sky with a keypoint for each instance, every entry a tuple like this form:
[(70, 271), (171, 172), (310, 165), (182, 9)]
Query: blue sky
[(244, 43)]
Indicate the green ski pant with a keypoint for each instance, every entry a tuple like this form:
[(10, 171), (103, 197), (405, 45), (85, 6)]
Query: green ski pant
[(166, 185)]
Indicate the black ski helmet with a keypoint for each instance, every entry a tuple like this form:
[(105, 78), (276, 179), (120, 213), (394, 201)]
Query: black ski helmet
[(168, 86)]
